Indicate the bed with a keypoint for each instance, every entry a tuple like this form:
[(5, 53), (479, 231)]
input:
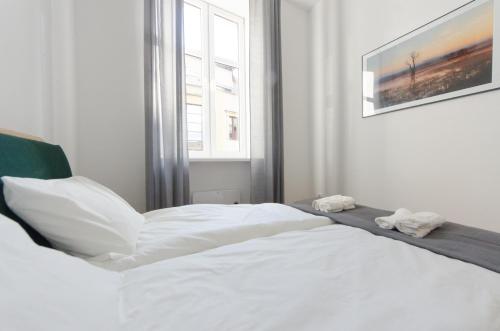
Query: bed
[(167, 233), (320, 276)]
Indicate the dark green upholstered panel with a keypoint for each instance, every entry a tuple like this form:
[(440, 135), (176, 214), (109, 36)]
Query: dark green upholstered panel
[(33, 159)]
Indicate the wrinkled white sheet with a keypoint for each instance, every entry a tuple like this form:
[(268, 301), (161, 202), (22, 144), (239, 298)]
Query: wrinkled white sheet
[(330, 278), (179, 231)]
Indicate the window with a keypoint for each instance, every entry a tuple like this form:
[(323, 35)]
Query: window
[(215, 82)]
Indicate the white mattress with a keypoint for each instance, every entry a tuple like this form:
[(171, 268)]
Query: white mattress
[(330, 278), (179, 231)]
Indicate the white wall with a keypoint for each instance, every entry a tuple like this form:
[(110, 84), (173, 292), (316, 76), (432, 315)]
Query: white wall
[(325, 84), (110, 95), (21, 67), (36, 70), (441, 157), (208, 176), (296, 98), (72, 72), (78, 82), (214, 176), (61, 73)]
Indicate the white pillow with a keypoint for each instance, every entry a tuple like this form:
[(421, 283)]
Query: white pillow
[(44, 289), (76, 214)]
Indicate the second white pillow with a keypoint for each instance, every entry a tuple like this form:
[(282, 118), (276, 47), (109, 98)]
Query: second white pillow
[(76, 215)]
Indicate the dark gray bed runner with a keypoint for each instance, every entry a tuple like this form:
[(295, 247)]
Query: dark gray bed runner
[(468, 244)]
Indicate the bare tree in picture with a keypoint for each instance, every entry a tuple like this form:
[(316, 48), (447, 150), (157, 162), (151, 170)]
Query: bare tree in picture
[(412, 65)]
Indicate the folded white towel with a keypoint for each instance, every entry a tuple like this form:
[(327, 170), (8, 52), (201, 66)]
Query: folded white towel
[(334, 204), (389, 222), (420, 224)]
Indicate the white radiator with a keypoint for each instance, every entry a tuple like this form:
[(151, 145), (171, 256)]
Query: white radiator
[(225, 197)]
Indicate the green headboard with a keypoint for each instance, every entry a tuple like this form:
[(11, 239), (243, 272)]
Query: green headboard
[(21, 157)]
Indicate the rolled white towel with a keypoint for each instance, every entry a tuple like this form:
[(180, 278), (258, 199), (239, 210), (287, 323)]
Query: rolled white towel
[(389, 222), (334, 203), (348, 202), (332, 206), (317, 202), (420, 224)]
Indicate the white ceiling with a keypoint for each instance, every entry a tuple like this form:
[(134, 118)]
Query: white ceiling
[(304, 3)]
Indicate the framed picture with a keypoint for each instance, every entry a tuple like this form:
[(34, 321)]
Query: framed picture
[(453, 56)]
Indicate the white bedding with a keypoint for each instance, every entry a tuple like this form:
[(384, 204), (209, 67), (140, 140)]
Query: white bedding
[(174, 232), (329, 278), (46, 290)]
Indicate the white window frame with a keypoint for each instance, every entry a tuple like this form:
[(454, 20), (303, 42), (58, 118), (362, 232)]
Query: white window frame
[(208, 12), (204, 55)]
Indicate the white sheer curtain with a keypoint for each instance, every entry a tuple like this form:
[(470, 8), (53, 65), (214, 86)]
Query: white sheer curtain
[(167, 160), (266, 101)]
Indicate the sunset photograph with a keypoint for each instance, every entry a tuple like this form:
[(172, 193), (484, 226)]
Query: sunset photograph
[(452, 56)]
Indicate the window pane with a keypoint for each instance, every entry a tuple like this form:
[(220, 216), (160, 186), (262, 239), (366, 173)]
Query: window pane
[(194, 100), (194, 77), (226, 78), (227, 96), (193, 70), (192, 29), (227, 114), (225, 40), (195, 127)]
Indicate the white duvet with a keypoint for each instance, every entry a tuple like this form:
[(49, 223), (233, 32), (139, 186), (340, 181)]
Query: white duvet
[(174, 232), (331, 278)]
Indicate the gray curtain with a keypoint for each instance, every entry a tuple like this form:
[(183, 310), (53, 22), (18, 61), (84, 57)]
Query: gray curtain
[(266, 102), (167, 161)]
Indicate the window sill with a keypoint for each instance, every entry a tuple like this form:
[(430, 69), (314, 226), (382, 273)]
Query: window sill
[(199, 160)]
